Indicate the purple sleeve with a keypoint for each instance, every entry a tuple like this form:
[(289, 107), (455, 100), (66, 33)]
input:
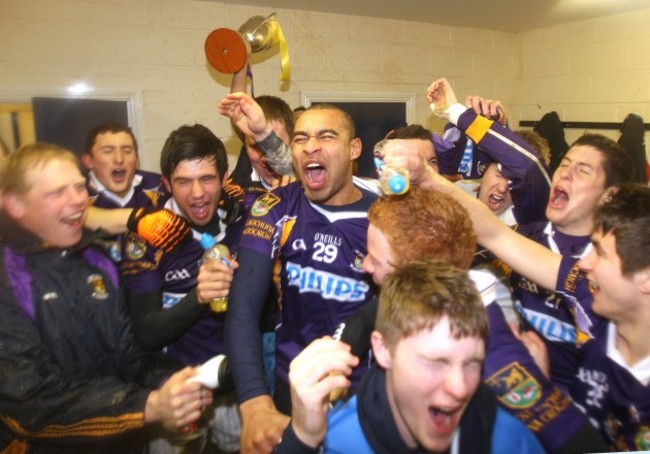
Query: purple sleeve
[(524, 391), (449, 150), (520, 163)]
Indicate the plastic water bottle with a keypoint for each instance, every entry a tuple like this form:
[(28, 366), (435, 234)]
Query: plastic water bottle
[(216, 252), (392, 179)]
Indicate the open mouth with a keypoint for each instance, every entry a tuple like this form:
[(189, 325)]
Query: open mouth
[(495, 201), (200, 210), (559, 198), (315, 174), (73, 220), (118, 174), (444, 420)]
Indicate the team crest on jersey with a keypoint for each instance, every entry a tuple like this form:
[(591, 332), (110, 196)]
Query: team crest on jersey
[(135, 248), (264, 203), (99, 288), (515, 387), (642, 439)]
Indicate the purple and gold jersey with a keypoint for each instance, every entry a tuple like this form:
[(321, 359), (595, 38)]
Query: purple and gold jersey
[(147, 269), (147, 190), (551, 314), (519, 162), (318, 251), (516, 380), (615, 396)]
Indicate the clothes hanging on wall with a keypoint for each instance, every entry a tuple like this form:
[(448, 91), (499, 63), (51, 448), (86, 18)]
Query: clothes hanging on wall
[(550, 127), (632, 140)]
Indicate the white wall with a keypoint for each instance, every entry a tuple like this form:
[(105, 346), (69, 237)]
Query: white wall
[(593, 70), (156, 46)]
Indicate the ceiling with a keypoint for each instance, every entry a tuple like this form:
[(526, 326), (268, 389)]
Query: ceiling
[(501, 15)]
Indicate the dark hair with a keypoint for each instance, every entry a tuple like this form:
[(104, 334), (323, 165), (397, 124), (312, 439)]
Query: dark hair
[(278, 110), (627, 216), (616, 162), (411, 132), (111, 127), (347, 118), (189, 143), (416, 296)]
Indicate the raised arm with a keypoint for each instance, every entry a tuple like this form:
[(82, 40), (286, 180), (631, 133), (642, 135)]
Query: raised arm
[(238, 85), (518, 161), (528, 258), (248, 116)]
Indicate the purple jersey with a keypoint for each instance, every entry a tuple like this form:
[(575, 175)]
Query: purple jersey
[(146, 269), (245, 177), (521, 387), (551, 314), (146, 190), (318, 251), (615, 396), (525, 170)]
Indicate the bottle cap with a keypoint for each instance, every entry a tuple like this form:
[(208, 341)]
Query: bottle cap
[(207, 241), (397, 184)]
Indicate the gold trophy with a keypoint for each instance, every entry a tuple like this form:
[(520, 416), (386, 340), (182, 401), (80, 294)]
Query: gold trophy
[(227, 50)]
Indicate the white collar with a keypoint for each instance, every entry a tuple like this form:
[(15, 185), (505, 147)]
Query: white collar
[(171, 205), (548, 231), (508, 216), (640, 371), (101, 189)]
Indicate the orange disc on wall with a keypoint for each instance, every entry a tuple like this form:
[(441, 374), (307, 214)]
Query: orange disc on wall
[(225, 50)]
